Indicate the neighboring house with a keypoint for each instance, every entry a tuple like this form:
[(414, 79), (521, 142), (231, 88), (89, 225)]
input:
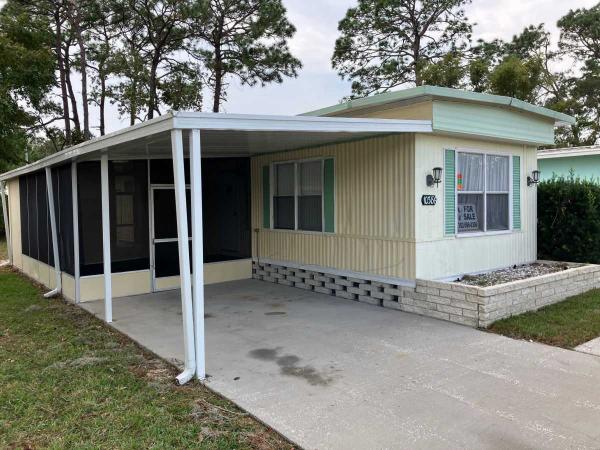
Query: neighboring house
[(582, 162), (346, 192)]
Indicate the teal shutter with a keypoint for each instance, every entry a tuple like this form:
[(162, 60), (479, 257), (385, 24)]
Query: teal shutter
[(516, 193), (449, 193), (329, 196), (266, 182)]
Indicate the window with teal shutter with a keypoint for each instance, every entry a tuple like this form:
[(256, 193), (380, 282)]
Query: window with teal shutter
[(516, 193), (266, 182), (449, 193)]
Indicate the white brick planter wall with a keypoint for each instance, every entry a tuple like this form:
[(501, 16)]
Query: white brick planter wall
[(455, 302)]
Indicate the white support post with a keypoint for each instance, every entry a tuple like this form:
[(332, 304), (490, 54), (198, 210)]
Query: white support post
[(197, 251), (184, 258), (53, 230), (75, 202), (106, 238), (6, 221)]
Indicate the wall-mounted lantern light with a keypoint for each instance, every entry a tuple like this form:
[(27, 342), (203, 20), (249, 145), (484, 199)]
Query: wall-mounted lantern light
[(434, 178), (534, 178)]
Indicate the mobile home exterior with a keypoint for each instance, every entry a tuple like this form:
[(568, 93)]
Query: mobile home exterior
[(345, 195), (579, 162)]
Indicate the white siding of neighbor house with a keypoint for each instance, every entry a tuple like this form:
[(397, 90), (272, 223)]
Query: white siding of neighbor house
[(440, 256)]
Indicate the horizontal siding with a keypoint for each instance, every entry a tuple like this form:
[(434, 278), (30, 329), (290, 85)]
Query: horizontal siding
[(413, 111), (491, 122), (374, 205)]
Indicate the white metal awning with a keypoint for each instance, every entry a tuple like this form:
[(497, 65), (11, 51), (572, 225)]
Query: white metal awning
[(226, 135)]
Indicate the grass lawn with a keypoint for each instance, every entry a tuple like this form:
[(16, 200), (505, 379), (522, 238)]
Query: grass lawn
[(566, 324), (69, 381), (3, 249)]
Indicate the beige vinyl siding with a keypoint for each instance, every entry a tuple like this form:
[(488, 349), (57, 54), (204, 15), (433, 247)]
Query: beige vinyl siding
[(440, 256), (409, 111), (374, 205), (14, 218)]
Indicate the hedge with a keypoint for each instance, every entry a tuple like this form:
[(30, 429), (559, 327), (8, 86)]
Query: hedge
[(569, 220)]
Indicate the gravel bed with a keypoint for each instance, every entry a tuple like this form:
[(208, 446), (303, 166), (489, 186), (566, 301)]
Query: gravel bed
[(513, 273)]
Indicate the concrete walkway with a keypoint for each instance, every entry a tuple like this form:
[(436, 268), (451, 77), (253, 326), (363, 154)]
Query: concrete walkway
[(331, 373), (592, 347)]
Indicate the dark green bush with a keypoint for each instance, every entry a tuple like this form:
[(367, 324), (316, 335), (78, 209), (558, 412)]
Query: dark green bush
[(569, 220)]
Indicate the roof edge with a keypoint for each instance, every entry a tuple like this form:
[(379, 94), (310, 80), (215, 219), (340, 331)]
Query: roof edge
[(444, 93)]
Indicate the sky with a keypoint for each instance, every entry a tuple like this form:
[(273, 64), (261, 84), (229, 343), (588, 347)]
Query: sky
[(318, 85)]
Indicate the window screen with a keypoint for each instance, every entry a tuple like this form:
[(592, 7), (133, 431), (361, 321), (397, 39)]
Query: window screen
[(90, 218), (128, 200), (497, 192), (24, 209), (129, 221), (165, 213), (63, 203), (310, 196), (161, 171), (32, 206), (283, 196), (35, 220), (482, 184)]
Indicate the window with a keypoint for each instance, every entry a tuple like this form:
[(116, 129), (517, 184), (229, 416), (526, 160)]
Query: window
[(482, 184), (283, 197), (298, 196)]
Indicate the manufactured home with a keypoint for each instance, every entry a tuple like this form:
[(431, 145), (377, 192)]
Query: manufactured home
[(358, 200), (579, 162)]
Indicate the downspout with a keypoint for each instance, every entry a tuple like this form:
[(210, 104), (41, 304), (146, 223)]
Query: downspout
[(49, 186), (187, 309)]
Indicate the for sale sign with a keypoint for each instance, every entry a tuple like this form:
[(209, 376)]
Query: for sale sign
[(467, 218)]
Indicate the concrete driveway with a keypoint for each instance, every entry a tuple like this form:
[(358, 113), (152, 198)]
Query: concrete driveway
[(332, 373)]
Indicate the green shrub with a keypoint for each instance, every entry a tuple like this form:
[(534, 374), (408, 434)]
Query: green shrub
[(569, 220)]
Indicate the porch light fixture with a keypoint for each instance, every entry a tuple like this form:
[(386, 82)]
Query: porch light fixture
[(534, 178), (436, 178)]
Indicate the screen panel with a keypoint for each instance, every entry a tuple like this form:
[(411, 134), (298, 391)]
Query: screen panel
[(129, 222), (24, 209), (90, 218)]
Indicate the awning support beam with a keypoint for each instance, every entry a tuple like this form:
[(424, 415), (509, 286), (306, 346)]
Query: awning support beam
[(197, 251), (6, 221), (75, 201), (106, 238), (184, 258), (54, 233)]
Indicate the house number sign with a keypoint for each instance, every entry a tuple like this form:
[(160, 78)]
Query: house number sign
[(428, 200)]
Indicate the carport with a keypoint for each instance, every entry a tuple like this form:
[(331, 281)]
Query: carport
[(178, 136), (332, 373)]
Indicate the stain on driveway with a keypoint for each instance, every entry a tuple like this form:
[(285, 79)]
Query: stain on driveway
[(290, 366)]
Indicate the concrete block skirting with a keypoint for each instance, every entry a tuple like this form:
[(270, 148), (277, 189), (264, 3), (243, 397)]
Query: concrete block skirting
[(456, 302)]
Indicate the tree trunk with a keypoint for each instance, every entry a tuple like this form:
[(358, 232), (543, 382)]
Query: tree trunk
[(74, 16), (152, 100), (133, 103), (218, 88), (67, 66), (102, 77), (63, 84)]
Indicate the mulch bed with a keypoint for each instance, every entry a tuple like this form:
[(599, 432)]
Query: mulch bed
[(514, 273)]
